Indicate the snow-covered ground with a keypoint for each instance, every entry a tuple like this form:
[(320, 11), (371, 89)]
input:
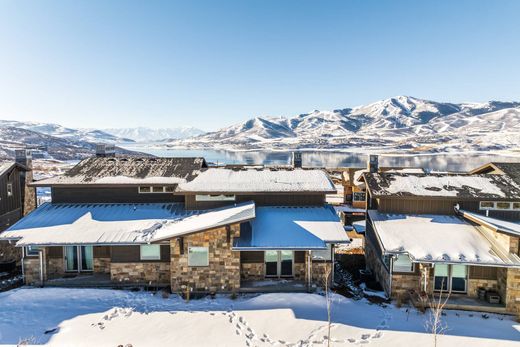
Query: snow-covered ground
[(98, 317)]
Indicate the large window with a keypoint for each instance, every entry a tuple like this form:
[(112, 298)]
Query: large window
[(150, 252), (500, 205), (402, 263), (323, 254), (198, 256), (214, 198), (359, 196), (451, 278), (32, 251)]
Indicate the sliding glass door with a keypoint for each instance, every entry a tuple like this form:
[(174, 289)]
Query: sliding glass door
[(79, 258), (452, 278), (279, 263)]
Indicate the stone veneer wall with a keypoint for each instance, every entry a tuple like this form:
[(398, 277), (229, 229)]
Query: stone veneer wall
[(252, 271), (31, 270), (374, 263), (319, 272), (102, 265), (475, 284), (223, 271), (402, 283), (141, 273), (509, 288)]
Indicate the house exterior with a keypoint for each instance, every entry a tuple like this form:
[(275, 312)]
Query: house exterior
[(176, 223), (426, 233), (16, 198)]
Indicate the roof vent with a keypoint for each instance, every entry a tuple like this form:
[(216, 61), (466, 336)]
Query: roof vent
[(105, 150)]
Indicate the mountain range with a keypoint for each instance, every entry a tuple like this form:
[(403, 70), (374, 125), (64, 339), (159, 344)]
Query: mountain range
[(143, 134), (401, 123)]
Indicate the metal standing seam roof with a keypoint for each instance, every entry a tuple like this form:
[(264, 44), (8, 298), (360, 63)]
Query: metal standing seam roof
[(62, 224), (493, 223), (438, 238), (292, 228)]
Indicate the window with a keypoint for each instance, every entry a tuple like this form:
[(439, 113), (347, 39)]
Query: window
[(214, 198), (499, 205), (9, 189), (150, 252), (402, 263), (156, 189), (32, 251), (198, 256), (359, 196), (323, 254)]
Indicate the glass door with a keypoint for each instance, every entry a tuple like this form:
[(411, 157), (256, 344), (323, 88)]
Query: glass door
[(271, 264), (440, 272), (458, 278), (87, 258), (71, 258), (286, 263)]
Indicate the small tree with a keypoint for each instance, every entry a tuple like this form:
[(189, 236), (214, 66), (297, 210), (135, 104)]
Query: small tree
[(434, 324)]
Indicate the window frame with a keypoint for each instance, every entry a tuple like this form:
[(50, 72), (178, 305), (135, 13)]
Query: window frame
[(412, 267), (163, 189), (496, 208), (206, 264), (154, 257), (354, 194), (31, 253)]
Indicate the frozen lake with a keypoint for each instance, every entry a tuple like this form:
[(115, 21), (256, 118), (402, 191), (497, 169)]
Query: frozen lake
[(440, 162)]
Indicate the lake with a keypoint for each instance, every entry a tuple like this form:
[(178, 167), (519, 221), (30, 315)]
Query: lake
[(439, 162)]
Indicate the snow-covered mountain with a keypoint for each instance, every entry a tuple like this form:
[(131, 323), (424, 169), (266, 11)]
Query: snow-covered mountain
[(401, 122), (143, 134), (56, 130)]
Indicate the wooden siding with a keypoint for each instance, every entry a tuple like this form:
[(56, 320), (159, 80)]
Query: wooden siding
[(274, 199), (101, 252), (13, 202), (483, 272), (109, 195), (55, 252), (251, 257), (132, 254), (474, 206), (416, 206), (299, 257)]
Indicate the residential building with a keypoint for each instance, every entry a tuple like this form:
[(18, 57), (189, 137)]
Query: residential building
[(425, 233), (175, 222)]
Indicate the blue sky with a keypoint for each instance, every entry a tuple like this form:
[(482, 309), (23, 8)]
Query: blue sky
[(209, 64)]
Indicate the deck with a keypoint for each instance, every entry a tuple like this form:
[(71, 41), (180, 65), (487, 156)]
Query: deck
[(273, 285), (465, 303), (95, 281)]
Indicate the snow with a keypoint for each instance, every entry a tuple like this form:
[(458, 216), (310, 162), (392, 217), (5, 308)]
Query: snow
[(218, 180), (493, 223), (98, 317), (437, 238), (360, 226), (5, 165), (62, 224)]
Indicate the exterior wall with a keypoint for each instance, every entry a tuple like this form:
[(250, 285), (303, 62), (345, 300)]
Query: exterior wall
[(509, 288), (474, 206), (416, 206), (223, 271), (8, 252), (140, 273), (31, 270), (110, 195), (102, 265), (252, 266), (252, 271), (275, 199), (319, 272)]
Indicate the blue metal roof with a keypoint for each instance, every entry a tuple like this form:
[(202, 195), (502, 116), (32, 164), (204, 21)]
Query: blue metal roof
[(54, 214), (305, 228)]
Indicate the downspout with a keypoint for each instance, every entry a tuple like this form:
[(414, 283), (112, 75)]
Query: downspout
[(23, 265), (391, 274), (40, 256), (309, 270)]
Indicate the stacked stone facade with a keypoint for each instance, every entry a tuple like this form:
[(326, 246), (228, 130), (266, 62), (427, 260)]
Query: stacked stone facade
[(252, 271), (102, 265), (31, 270), (152, 273), (319, 273), (223, 271)]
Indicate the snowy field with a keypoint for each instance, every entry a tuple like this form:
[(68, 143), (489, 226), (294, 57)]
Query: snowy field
[(97, 317)]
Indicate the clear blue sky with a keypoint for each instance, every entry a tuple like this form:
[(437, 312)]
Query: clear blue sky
[(213, 63)]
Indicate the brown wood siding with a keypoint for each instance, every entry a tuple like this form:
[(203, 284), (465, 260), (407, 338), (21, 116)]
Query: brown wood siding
[(101, 251), (249, 257), (109, 195), (274, 199), (13, 202), (132, 254), (299, 257), (483, 272), (55, 252), (474, 206), (416, 206)]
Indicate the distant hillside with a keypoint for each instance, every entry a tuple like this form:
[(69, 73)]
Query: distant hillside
[(143, 134), (399, 123)]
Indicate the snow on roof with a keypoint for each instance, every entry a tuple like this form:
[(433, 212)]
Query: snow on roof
[(437, 238), (219, 180), (348, 208), (493, 223), (359, 226), (107, 170), (5, 166), (62, 224), (292, 228), (438, 185)]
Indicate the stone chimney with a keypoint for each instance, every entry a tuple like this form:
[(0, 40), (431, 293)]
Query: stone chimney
[(24, 157), (105, 150), (297, 161), (373, 163)]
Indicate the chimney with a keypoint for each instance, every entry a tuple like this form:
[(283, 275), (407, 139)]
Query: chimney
[(23, 157), (105, 150), (297, 159), (373, 163)]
